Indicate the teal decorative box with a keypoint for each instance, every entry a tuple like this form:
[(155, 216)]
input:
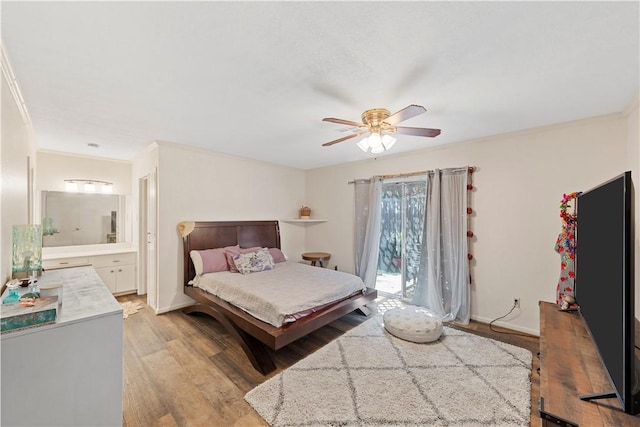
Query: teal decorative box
[(14, 317)]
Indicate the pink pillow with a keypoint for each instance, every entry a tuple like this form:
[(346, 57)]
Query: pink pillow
[(209, 261), (230, 251), (277, 255)]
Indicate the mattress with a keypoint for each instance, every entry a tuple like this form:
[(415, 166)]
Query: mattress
[(281, 295)]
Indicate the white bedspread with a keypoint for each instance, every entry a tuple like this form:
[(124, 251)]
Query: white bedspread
[(274, 296)]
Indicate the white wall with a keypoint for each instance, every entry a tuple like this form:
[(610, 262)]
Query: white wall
[(520, 180), (55, 167), (17, 145), (633, 164), (199, 185)]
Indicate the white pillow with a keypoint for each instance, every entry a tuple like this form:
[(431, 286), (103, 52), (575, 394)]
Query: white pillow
[(197, 261)]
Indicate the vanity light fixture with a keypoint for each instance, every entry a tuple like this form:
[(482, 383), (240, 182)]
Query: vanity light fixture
[(70, 185), (88, 185)]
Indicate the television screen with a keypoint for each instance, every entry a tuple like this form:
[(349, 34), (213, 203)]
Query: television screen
[(604, 281)]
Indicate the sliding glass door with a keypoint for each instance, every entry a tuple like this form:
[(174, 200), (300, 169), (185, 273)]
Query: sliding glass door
[(402, 219)]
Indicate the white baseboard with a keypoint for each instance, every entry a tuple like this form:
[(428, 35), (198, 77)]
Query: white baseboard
[(507, 325), (173, 307)]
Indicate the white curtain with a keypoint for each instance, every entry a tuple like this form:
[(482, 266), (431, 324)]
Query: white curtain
[(368, 199), (442, 281)]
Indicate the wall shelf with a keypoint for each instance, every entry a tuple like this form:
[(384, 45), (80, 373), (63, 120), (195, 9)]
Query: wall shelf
[(310, 221)]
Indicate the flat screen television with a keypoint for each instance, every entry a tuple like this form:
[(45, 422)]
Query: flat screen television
[(604, 283)]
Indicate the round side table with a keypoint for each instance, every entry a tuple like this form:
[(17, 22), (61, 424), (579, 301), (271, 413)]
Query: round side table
[(315, 257)]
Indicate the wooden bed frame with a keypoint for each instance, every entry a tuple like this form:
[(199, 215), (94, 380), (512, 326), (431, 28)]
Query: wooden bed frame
[(253, 334)]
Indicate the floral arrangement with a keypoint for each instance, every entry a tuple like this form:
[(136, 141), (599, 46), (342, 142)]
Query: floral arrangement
[(568, 218), (566, 247), (567, 237)]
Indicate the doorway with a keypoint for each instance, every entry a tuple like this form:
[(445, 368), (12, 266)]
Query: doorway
[(148, 283), (402, 221)]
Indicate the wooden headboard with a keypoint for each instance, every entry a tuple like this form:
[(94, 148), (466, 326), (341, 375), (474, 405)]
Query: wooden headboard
[(218, 234)]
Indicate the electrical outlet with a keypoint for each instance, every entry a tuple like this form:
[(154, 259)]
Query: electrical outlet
[(516, 302)]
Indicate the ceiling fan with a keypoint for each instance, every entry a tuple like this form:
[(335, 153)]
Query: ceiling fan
[(380, 124)]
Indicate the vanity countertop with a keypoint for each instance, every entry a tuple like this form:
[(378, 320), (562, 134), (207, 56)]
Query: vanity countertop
[(67, 373), (84, 294), (62, 252)]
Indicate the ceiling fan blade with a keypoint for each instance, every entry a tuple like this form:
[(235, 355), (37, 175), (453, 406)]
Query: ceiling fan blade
[(417, 131), (335, 141), (405, 114), (343, 122)]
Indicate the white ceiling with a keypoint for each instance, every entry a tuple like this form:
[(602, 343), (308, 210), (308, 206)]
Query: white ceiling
[(255, 79)]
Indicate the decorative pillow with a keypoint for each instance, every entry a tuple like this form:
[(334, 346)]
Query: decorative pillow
[(277, 255), (252, 262), (230, 251), (209, 261)]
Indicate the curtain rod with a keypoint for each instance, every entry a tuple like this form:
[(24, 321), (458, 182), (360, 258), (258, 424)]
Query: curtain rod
[(408, 174)]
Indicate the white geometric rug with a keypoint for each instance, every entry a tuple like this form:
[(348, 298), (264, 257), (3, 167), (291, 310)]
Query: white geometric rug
[(368, 377)]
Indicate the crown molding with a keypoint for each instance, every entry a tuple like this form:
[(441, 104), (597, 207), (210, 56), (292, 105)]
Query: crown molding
[(10, 77)]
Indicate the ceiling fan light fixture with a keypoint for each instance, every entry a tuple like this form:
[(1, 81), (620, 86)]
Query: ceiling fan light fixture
[(378, 150), (380, 124), (363, 144), (388, 141), (375, 141)]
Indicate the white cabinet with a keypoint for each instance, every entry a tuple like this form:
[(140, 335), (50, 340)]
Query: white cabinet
[(117, 270), (57, 263), (118, 279), (68, 373)]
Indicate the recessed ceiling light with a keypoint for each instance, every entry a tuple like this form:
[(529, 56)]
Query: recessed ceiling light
[(93, 145)]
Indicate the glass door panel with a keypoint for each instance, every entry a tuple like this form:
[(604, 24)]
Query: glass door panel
[(401, 236), (413, 222)]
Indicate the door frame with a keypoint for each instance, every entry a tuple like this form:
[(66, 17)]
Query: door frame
[(147, 236)]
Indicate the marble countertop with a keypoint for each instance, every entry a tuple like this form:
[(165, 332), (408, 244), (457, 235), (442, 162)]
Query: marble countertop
[(63, 252), (84, 296)]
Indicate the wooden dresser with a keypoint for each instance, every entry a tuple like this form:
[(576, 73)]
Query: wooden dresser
[(569, 368)]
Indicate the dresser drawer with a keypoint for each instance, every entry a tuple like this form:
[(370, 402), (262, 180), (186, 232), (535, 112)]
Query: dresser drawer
[(125, 258), (53, 264)]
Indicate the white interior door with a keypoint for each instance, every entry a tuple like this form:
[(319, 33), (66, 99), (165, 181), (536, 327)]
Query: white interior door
[(151, 239), (142, 235)]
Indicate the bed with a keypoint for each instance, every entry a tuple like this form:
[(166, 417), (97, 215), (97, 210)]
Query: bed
[(255, 335)]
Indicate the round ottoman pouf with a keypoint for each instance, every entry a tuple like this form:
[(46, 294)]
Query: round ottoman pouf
[(412, 323)]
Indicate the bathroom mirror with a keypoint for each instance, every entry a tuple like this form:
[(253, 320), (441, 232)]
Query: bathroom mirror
[(72, 219)]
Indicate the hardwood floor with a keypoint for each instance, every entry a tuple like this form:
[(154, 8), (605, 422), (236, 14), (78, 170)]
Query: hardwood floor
[(182, 370)]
